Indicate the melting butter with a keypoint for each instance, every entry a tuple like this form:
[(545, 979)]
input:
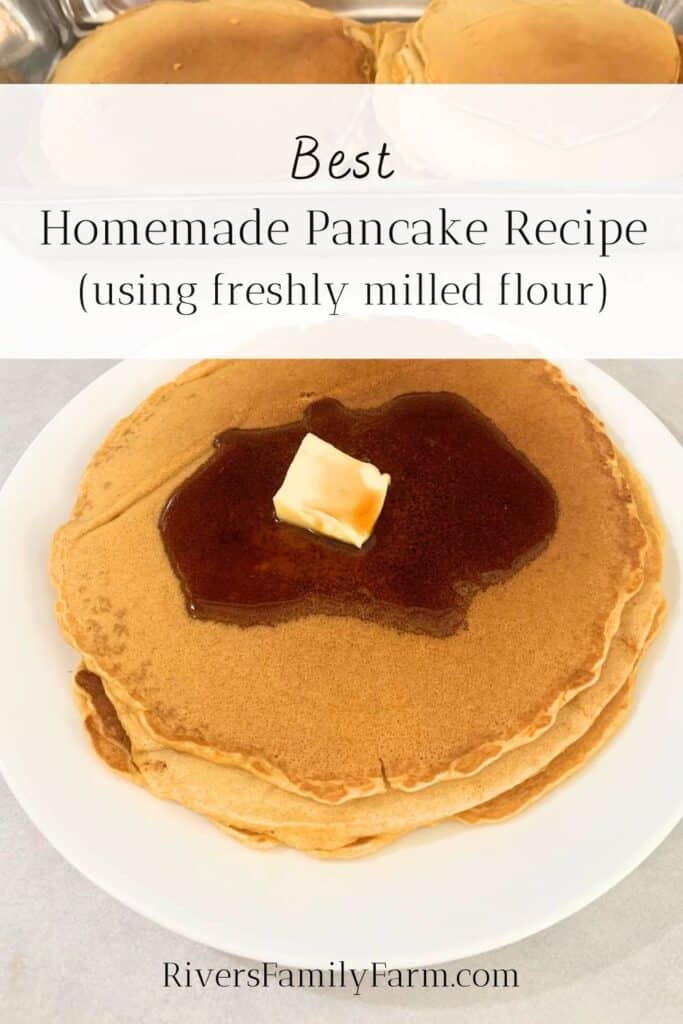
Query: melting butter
[(331, 493)]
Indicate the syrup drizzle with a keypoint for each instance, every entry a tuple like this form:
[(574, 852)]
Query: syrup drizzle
[(464, 511)]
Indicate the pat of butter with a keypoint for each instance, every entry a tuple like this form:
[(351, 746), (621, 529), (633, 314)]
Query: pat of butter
[(331, 493)]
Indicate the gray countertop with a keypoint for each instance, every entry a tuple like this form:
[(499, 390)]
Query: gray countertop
[(72, 954)]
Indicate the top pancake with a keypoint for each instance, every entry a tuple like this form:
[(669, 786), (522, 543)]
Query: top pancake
[(215, 41), (335, 707), (532, 41), (241, 801)]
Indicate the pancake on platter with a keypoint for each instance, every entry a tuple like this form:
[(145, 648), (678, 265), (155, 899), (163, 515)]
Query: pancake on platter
[(343, 845), (251, 807), (329, 705), (215, 41), (221, 793), (532, 41)]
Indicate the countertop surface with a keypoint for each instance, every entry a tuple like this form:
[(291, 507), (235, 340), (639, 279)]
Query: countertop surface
[(72, 954)]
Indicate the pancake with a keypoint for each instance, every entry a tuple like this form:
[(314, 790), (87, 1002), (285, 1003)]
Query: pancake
[(341, 846), (215, 41), (204, 787), (240, 801), (533, 41), (279, 701), (250, 807)]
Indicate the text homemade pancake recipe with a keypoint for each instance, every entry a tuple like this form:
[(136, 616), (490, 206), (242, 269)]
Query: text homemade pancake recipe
[(316, 226), (341, 253)]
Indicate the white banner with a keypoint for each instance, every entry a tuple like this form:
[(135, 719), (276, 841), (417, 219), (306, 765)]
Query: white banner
[(189, 220)]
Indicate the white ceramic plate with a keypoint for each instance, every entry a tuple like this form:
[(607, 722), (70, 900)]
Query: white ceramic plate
[(447, 892)]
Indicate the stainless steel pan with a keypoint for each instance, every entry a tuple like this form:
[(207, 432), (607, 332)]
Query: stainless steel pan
[(35, 33)]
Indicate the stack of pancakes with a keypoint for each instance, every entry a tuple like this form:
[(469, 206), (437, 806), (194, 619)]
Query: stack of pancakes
[(332, 734), (288, 41)]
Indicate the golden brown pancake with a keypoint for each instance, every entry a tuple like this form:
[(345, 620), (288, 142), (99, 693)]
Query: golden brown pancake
[(330, 706), (261, 815), (240, 801), (256, 812), (214, 41), (533, 41), (334, 842)]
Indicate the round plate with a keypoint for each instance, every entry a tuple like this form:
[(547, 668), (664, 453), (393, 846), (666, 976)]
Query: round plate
[(440, 894)]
